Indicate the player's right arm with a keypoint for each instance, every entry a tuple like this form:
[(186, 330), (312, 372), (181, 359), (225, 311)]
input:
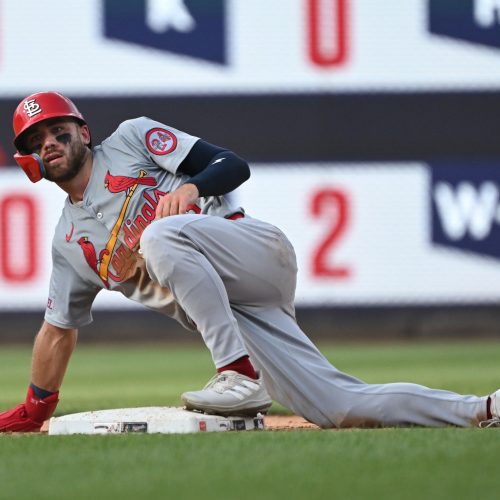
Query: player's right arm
[(68, 308), (51, 353)]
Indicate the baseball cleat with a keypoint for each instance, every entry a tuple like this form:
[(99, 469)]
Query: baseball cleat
[(494, 421), (229, 393)]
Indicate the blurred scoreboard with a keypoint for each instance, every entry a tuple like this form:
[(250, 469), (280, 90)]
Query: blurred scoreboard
[(364, 234), (371, 128), (204, 46)]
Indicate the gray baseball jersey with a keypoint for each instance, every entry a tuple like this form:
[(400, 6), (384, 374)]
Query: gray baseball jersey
[(96, 242)]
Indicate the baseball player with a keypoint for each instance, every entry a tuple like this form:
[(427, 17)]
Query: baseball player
[(145, 216)]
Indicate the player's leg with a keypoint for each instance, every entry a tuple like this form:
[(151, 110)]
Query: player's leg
[(193, 256), (298, 376), (176, 262), (212, 265), (295, 372), (256, 268)]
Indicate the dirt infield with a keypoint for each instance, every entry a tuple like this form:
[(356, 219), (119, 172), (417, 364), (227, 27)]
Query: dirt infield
[(287, 423)]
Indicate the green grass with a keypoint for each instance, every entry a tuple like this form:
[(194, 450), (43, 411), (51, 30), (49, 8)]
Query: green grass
[(384, 463)]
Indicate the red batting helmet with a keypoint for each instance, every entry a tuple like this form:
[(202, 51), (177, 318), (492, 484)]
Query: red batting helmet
[(38, 107), (33, 109)]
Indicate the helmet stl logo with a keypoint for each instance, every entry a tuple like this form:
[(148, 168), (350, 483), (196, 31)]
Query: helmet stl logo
[(32, 108)]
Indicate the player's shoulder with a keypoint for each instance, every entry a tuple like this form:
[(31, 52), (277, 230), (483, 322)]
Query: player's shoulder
[(129, 126), (139, 125), (135, 123), (131, 131)]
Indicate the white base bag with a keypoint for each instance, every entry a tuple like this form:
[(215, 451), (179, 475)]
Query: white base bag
[(150, 420)]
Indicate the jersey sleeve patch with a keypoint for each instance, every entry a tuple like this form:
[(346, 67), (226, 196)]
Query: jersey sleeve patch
[(160, 141)]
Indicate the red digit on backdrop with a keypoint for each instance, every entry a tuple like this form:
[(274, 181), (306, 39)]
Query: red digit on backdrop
[(334, 203), (18, 238), (327, 32)]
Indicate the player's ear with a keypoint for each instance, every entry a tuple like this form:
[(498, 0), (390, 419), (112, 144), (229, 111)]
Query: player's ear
[(85, 131)]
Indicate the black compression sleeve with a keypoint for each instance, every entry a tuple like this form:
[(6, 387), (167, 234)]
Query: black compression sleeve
[(214, 170)]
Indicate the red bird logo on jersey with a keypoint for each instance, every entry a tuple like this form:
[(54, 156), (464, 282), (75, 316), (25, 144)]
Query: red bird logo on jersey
[(107, 258), (90, 255), (120, 183)]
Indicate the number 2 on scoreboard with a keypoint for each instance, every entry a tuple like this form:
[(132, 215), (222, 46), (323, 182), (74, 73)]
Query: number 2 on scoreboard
[(335, 203)]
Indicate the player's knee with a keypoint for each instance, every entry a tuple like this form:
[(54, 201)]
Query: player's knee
[(157, 236), (163, 249), (148, 237), (158, 251)]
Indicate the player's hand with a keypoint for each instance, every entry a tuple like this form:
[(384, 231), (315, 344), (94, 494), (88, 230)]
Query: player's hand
[(29, 416), (177, 202)]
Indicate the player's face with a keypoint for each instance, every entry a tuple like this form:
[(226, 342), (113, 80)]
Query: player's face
[(62, 145)]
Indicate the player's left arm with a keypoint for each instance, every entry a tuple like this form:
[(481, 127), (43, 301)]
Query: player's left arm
[(214, 171)]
